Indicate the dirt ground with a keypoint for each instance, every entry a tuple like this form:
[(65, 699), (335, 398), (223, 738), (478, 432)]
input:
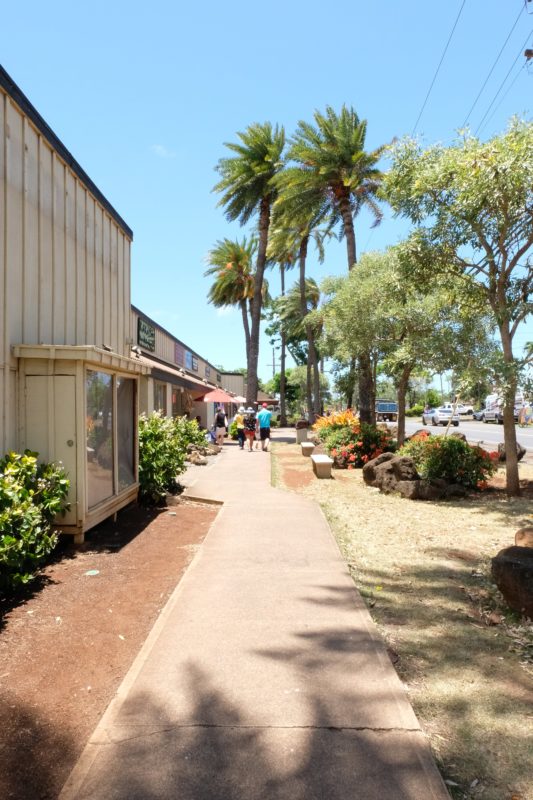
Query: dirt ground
[(66, 646), (424, 572)]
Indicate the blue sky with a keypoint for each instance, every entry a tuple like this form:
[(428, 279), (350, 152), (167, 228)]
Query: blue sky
[(145, 94)]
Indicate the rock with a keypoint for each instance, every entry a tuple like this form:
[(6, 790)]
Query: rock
[(409, 489), (512, 570), (524, 537), (387, 473), (455, 490), (419, 432), (369, 470), (430, 490), (520, 452), (457, 435), (196, 458)]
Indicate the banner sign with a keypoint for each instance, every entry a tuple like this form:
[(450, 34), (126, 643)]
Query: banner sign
[(145, 335), (179, 354)]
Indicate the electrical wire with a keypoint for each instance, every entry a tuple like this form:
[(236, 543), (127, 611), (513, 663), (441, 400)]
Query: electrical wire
[(520, 52), (438, 68), (493, 66), (522, 68)]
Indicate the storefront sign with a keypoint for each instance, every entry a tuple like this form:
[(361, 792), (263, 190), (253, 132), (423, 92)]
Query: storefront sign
[(179, 354), (145, 335)]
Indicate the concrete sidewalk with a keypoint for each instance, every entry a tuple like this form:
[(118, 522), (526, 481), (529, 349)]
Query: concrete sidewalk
[(264, 677)]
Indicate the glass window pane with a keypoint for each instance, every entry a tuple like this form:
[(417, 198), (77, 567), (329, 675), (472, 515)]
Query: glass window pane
[(126, 432), (160, 397), (99, 427)]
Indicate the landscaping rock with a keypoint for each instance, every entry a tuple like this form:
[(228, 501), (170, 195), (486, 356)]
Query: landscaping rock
[(409, 489), (512, 570), (369, 470), (520, 452), (431, 490), (387, 471), (196, 458), (524, 537), (455, 490), (458, 435), (419, 432)]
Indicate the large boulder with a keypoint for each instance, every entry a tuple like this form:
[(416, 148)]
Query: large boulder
[(388, 473), (512, 570), (520, 452)]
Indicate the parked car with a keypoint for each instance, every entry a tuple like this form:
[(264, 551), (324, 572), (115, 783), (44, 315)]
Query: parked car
[(461, 408), (440, 416), (479, 414)]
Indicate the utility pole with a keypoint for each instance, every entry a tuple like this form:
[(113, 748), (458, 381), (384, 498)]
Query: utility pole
[(274, 363)]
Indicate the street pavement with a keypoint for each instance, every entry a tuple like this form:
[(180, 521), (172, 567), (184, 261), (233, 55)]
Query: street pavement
[(264, 677)]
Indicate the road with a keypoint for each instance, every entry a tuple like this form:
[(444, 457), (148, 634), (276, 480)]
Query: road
[(486, 434)]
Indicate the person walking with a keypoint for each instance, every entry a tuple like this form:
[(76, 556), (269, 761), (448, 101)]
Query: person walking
[(263, 418), (250, 425), (238, 419), (221, 424)]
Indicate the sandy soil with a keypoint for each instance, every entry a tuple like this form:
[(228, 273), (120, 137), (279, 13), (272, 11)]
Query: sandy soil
[(424, 571), (66, 646)]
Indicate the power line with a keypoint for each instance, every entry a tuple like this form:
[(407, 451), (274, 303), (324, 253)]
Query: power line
[(438, 68), (493, 66), (522, 68), (520, 52)]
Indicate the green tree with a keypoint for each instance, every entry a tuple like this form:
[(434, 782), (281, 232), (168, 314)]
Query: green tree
[(331, 161), (247, 188), (472, 204), (231, 265)]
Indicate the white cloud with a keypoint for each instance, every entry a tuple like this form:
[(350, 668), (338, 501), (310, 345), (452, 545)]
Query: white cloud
[(162, 152)]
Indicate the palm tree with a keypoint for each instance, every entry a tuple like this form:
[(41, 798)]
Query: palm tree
[(247, 188), (294, 318), (332, 162), (231, 263)]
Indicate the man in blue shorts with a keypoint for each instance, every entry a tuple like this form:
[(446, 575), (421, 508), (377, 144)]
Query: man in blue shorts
[(264, 418)]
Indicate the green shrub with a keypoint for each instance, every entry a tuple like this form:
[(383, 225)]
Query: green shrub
[(415, 411), (353, 445), (232, 430), (451, 459), (161, 456), (162, 450), (31, 495)]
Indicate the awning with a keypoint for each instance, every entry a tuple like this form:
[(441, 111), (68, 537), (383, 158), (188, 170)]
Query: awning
[(217, 396)]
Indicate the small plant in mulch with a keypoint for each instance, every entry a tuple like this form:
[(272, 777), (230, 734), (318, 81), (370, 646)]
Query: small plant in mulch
[(352, 443), (451, 459)]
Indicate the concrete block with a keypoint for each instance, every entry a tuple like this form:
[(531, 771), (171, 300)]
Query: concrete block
[(301, 435), (307, 448), (322, 466)]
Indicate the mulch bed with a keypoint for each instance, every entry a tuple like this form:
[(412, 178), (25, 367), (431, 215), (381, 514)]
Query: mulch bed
[(66, 644)]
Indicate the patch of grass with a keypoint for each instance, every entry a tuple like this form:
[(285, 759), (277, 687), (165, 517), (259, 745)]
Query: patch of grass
[(424, 571)]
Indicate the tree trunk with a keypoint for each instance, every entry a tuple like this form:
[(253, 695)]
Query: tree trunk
[(509, 430), (401, 393), (282, 380), (349, 230), (367, 395), (264, 222), (246, 325), (302, 256), (317, 402)]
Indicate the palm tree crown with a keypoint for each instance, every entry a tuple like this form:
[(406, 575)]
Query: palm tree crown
[(231, 264)]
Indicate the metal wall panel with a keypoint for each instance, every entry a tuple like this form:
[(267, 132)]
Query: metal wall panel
[(64, 259)]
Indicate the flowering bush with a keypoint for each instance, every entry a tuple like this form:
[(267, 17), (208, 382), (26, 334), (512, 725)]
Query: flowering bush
[(353, 445), (451, 459), (337, 419)]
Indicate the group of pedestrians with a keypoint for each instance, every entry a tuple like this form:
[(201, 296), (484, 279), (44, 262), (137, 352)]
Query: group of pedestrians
[(252, 426)]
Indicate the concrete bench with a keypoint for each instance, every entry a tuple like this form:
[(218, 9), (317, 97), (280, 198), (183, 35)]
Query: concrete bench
[(307, 448), (322, 466)]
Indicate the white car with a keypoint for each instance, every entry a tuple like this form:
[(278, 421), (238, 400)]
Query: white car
[(440, 416)]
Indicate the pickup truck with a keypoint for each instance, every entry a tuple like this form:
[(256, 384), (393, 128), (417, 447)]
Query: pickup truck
[(386, 411)]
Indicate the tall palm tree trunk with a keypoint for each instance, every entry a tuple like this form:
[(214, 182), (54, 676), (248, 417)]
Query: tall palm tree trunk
[(302, 256), (367, 407), (282, 379), (246, 325), (264, 222)]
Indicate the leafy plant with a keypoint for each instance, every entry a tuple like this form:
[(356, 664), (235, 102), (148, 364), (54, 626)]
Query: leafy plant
[(415, 411), (451, 459), (31, 495), (162, 450), (232, 430), (337, 419)]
